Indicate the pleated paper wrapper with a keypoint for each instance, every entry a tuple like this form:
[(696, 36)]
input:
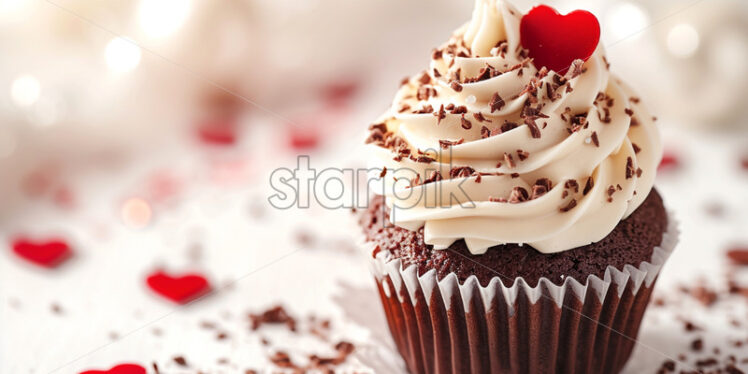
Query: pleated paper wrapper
[(442, 326)]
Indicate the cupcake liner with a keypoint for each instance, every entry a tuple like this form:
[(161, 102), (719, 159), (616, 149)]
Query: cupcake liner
[(442, 326)]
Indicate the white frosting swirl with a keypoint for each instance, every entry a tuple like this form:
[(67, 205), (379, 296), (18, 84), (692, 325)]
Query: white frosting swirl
[(589, 136)]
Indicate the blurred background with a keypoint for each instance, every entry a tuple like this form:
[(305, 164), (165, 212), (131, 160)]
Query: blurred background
[(161, 120), (79, 78)]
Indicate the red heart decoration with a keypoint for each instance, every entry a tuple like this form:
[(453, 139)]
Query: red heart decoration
[(179, 289), (119, 369), (48, 253), (555, 40)]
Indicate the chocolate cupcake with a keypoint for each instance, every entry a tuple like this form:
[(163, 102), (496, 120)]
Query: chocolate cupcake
[(516, 229)]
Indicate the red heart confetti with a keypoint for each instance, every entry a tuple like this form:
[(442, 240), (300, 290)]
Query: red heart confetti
[(556, 40), (48, 254), (179, 289), (119, 369), (338, 94), (218, 131), (669, 162), (303, 138)]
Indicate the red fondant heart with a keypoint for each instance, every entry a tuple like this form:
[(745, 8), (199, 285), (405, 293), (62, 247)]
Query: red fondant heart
[(180, 289), (555, 40), (119, 369), (48, 253)]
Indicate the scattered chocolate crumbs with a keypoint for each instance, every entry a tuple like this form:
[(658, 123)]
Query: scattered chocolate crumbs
[(572, 184), (56, 308), (541, 187), (611, 191), (479, 116), (440, 115), (181, 361), (630, 168), (711, 361), (485, 132), (690, 327), (444, 144), (576, 69), (518, 195), (456, 86), (283, 360), (275, 315), (522, 155), (426, 108), (434, 177), (384, 172), (588, 186), (668, 365), (467, 125), (461, 172), (595, 140), (637, 149), (704, 295), (425, 92), (508, 126), (509, 160), (534, 130), (629, 112), (605, 118), (738, 255), (425, 78), (496, 102), (155, 368), (572, 204), (459, 110), (697, 345)]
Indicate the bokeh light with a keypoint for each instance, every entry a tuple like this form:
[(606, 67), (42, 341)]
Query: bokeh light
[(625, 20), (683, 40), (160, 18), (136, 213), (25, 90), (122, 55)]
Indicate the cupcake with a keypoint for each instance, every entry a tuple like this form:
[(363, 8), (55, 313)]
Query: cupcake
[(515, 227)]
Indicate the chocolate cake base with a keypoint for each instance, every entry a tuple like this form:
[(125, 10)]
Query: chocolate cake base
[(638, 235)]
